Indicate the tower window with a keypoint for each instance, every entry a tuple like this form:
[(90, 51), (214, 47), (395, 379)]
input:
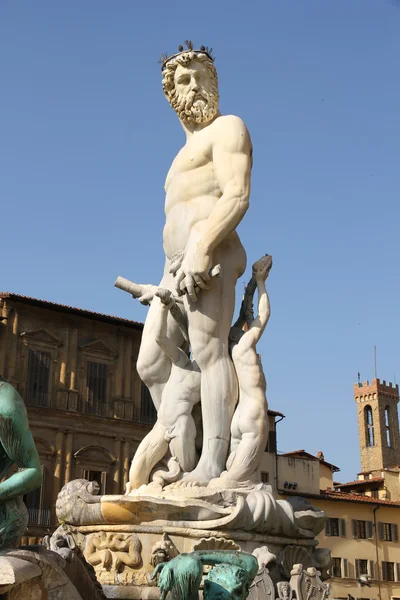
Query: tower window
[(387, 427), (369, 426)]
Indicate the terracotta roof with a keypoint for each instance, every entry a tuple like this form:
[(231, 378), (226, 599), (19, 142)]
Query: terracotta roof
[(342, 497), (88, 314), (360, 482), (308, 456)]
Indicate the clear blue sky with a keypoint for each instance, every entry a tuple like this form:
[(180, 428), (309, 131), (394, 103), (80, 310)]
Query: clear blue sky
[(87, 138)]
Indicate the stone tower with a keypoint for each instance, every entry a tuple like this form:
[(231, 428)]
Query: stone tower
[(378, 424)]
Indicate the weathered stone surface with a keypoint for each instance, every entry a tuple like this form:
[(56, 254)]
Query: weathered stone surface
[(62, 575), (14, 571)]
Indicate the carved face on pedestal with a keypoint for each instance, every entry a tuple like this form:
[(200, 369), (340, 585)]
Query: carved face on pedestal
[(191, 86), (284, 590)]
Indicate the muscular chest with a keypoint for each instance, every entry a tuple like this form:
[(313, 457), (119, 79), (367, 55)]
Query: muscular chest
[(190, 160)]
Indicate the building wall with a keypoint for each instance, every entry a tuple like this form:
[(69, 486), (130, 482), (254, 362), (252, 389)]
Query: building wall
[(69, 439), (267, 470), (351, 548), (391, 489), (325, 477), (302, 474)]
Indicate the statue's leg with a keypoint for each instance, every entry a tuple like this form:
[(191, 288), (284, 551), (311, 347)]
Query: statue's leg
[(182, 443), (153, 365), (254, 427), (235, 438), (151, 449), (210, 320)]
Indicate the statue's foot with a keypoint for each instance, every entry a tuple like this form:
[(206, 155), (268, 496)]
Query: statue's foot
[(222, 483), (200, 476), (228, 483)]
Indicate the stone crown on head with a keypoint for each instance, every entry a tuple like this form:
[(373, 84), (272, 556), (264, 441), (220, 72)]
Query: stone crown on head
[(189, 48)]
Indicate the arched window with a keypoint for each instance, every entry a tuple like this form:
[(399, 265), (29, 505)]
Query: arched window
[(369, 426), (387, 427)]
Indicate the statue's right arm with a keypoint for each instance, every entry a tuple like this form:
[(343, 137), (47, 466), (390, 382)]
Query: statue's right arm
[(18, 443)]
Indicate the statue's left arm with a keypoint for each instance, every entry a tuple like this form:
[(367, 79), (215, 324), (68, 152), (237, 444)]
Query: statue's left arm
[(232, 161), (261, 269), (19, 446)]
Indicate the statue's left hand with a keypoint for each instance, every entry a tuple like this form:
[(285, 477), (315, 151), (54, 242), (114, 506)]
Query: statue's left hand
[(194, 272)]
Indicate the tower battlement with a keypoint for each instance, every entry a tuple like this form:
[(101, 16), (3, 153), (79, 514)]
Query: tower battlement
[(376, 387)]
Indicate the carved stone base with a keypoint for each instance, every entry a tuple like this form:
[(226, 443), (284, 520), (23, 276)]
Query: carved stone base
[(125, 537), (124, 556)]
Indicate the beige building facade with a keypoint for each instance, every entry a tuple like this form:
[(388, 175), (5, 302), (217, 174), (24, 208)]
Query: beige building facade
[(362, 530), (87, 407), (88, 411)]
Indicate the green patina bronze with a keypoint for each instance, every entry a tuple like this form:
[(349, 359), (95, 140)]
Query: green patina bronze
[(16, 448), (229, 580)]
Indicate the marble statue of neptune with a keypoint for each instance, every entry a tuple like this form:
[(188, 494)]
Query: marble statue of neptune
[(207, 194)]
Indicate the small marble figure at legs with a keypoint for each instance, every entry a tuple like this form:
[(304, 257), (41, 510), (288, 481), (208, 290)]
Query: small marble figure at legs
[(175, 425), (249, 424), (16, 447)]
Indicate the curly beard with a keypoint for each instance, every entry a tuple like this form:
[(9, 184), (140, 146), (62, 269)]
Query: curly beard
[(195, 107)]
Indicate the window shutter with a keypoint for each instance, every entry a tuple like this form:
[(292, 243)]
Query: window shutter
[(371, 566), (357, 568), (328, 527), (384, 571), (342, 527), (397, 572), (370, 529), (345, 569), (395, 532), (354, 526), (380, 530)]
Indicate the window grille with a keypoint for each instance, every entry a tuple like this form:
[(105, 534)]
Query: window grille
[(361, 567), (148, 413), (37, 389), (96, 388), (387, 571), (335, 527), (336, 567)]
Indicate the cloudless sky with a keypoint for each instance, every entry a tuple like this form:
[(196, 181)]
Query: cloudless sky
[(86, 139)]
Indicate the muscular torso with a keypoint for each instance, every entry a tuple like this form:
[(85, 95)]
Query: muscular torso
[(191, 189), (249, 372)]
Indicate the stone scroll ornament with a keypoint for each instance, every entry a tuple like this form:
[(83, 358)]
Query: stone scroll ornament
[(230, 578), (214, 509), (16, 448)]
